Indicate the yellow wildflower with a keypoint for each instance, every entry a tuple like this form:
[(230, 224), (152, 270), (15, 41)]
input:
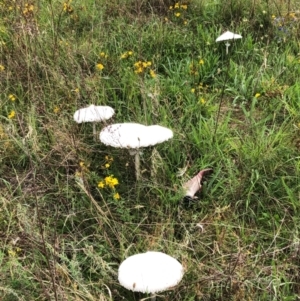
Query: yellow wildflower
[(99, 66), (2, 68), (139, 70), (11, 97), (138, 64), (28, 9), (152, 73), (56, 109), (108, 158), (176, 5), (183, 6), (171, 7), (193, 90), (116, 196), (202, 101), (81, 163), (67, 7), (184, 22), (101, 184), (126, 54), (257, 95), (11, 253), (11, 115), (111, 182), (177, 15), (103, 54), (201, 62), (107, 165)]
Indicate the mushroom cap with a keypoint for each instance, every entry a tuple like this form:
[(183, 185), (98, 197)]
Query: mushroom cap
[(134, 135), (93, 113), (150, 272), (228, 35)]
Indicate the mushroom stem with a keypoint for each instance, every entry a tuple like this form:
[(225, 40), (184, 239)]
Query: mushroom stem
[(227, 46), (137, 165), (94, 132), (136, 154)]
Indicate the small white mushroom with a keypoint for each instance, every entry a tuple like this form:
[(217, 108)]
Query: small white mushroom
[(134, 136), (227, 36), (150, 272), (93, 114)]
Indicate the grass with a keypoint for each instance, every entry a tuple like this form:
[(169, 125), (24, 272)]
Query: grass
[(62, 236)]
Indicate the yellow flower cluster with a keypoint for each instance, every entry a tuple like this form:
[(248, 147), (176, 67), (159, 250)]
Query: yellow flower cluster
[(152, 73), (108, 161), (108, 181), (67, 7), (126, 54), (11, 115), (12, 97), (178, 10), (2, 68), (103, 54), (13, 253), (178, 6), (140, 67), (28, 9)]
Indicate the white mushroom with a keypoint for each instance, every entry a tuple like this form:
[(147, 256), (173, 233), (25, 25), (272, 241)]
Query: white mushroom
[(93, 114), (150, 272), (134, 136), (226, 36)]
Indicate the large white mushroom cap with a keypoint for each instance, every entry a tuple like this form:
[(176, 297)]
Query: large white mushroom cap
[(93, 113), (228, 35), (134, 135), (150, 272)]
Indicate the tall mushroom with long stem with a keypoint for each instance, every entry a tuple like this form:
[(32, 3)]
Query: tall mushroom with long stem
[(227, 36), (150, 272), (134, 137), (93, 114)]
